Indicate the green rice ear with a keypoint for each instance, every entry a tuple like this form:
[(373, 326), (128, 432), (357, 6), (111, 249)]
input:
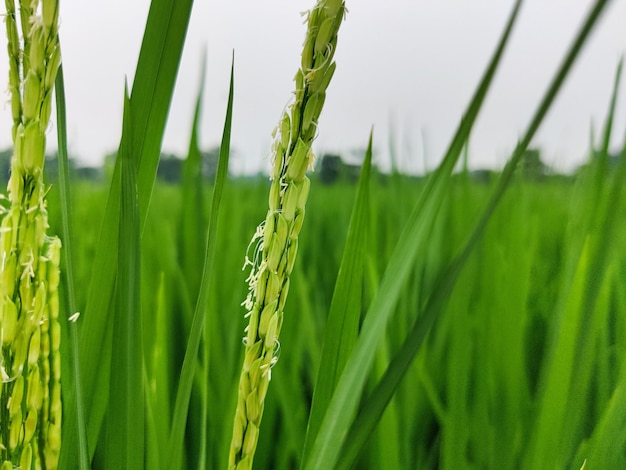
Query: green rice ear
[(269, 279), (30, 356)]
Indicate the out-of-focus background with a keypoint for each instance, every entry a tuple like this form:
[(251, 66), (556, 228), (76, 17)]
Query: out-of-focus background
[(513, 356), (406, 67)]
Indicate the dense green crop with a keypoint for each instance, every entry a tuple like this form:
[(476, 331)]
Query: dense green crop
[(473, 396), (434, 322)]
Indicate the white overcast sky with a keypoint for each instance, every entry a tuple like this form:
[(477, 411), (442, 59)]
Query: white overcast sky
[(411, 63)]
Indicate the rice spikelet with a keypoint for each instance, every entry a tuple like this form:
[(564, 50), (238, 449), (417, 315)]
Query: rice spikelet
[(30, 397), (275, 242)]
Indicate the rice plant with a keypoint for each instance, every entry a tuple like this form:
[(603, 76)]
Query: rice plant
[(433, 322), (275, 243), (30, 333)]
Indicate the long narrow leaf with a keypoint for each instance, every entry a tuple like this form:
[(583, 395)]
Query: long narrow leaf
[(380, 397), (606, 441), (193, 213), (68, 271), (153, 86), (569, 357), (344, 402), (197, 327), (345, 308), (125, 440), (193, 243)]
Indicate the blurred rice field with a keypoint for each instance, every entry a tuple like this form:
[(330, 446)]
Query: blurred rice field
[(530, 304)]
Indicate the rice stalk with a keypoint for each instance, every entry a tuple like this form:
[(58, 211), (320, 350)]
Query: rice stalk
[(275, 242), (30, 397)]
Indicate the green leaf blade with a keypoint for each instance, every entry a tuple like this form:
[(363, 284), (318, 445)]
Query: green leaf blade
[(153, 86), (68, 272), (343, 405), (199, 322), (125, 417), (345, 308)]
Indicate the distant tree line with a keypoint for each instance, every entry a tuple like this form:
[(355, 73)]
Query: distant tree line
[(330, 168), (333, 168), (169, 169)]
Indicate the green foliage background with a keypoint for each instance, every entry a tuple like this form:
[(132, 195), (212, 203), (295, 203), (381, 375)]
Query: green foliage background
[(495, 312), (472, 397)]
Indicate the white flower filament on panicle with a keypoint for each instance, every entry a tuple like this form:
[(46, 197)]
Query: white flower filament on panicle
[(257, 265), (311, 72), (266, 369), (258, 246), (32, 209), (35, 20), (275, 242), (5, 377), (29, 270), (4, 209)]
